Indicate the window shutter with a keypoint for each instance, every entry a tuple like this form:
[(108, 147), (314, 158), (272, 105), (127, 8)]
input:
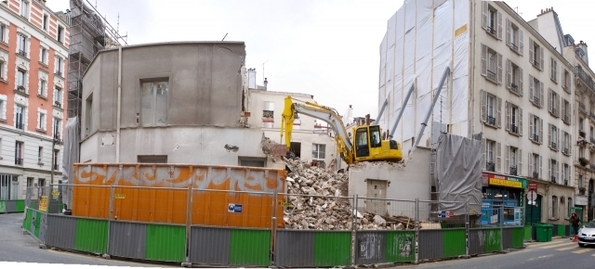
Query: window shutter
[(531, 51), (520, 76), (499, 74), (484, 55), (507, 122), (540, 131), (540, 167), (499, 15), (541, 94), (557, 138), (484, 9), (483, 156), (530, 172), (569, 143), (532, 92), (519, 166), (520, 121), (499, 157), (483, 101), (549, 134), (498, 113), (507, 161), (550, 100), (541, 57), (521, 42), (508, 73), (508, 32), (557, 105)]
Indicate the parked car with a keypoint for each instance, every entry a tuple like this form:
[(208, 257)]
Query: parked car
[(586, 234)]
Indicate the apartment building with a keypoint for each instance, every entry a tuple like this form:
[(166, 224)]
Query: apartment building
[(33, 52), (312, 139), (504, 83), (583, 119)]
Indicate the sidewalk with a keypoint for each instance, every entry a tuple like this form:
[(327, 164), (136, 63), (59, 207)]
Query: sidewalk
[(554, 238)]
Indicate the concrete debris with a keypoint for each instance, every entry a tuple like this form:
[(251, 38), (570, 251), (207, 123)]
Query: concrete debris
[(319, 201)]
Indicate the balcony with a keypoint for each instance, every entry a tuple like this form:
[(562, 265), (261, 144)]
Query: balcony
[(536, 138), (553, 179), (491, 120), (582, 107), (553, 145), (582, 134), (513, 171), (490, 166), (492, 76), (515, 89), (491, 31), (22, 53), (535, 175), (585, 78), (536, 101), (514, 129)]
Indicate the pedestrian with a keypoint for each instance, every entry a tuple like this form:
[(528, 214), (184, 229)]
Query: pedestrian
[(574, 221)]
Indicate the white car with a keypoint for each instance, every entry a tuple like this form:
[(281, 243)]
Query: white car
[(586, 234)]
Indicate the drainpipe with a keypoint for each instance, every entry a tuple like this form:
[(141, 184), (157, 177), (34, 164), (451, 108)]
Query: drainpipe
[(119, 103)]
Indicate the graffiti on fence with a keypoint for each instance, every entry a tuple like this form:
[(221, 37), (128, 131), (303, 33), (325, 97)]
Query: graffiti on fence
[(200, 177), (370, 245)]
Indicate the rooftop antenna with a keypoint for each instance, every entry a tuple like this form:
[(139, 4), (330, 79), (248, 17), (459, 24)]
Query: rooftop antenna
[(224, 37), (263, 69)]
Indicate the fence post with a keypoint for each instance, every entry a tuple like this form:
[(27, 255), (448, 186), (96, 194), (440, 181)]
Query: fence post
[(110, 216), (275, 202), (187, 262), (416, 231), (501, 227), (354, 230)]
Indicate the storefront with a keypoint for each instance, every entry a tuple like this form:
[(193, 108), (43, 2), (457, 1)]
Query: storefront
[(502, 199)]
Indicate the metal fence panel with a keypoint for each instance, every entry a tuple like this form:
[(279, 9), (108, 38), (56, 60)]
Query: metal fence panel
[(10, 206), (507, 234), (294, 248), (42, 227), (430, 245), (127, 239), (370, 247), (91, 235), (60, 232), (332, 248), (250, 247), (210, 245), (476, 245), (400, 246), (454, 242), (166, 242)]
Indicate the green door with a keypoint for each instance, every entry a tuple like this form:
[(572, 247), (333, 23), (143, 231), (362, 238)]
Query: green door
[(533, 212)]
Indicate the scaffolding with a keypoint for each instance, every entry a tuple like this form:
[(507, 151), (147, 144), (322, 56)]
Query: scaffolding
[(89, 33)]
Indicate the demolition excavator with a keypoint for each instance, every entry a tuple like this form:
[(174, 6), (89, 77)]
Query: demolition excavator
[(363, 143)]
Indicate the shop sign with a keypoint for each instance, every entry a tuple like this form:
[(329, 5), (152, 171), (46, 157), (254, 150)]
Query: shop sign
[(581, 200), (506, 181)]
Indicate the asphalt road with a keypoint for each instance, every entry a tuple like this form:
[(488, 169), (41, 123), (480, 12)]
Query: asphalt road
[(556, 254), (18, 247)]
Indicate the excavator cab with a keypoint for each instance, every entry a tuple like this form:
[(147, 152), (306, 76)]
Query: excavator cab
[(369, 145)]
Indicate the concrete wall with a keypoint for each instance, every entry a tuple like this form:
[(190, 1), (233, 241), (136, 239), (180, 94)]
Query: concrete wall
[(404, 182)]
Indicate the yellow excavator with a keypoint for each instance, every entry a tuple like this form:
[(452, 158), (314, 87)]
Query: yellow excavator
[(364, 143)]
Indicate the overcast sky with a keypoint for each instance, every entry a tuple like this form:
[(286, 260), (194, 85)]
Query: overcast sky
[(328, 48)]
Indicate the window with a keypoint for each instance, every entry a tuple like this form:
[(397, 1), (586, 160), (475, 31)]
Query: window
[(45, 22), (535, 54), (566, 174), (514, 119), (580, 181), (491, 64), (318, 151), (8, 187), (151, 158), (269, 110), (535, 165), (60, 36), (19, 117), (514, 160), (22, 49), (2, 70), (25, 8), (57, 128), (554, 103), (18, 153), (535, 128), (58, 66), (492, 155), (21, 79), (566, 143), (581, 152), (40, 121), (554, 170), (89, 115), (2, 108), (43, 56), (554, 139), (554, 207), (3, 33), (56, 164), (514, 78), (490, 108), (553, 69), (566, 110), (58, 96), (566, 81), (515, 37), (40, 155), (154, 103), (535, 91), (43, 85), (492, 20)]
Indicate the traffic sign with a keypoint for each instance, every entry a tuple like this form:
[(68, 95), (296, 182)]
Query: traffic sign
[(532, 186), (532, 195)]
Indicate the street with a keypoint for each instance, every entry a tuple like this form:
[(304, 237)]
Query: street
[(18, 247), (558, 253)]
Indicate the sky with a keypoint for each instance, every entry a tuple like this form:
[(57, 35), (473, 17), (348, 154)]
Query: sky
[(329, 48)]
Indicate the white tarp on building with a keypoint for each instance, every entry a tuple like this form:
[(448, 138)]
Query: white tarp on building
[(423, 38)]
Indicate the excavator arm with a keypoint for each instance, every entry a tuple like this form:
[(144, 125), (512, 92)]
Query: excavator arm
[(323, 113)]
